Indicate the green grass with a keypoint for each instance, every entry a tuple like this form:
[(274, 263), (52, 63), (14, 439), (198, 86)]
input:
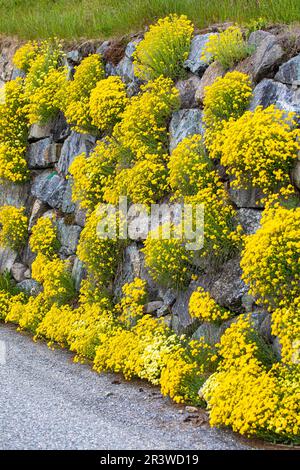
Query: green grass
[(104, 18)]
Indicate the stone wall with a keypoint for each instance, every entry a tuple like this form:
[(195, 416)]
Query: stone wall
[(52, 148)]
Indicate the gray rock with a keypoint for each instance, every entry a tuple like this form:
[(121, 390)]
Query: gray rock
[(187, 90), (43, 153), (131, 47), (131, 267), (214, 71), (296, 174), (38, 209), (153, 306), (103, 48), (277, 348), (12, 194), (267, 56), (249, 219), (80, 216), (289, 72), (256, 38), (228, 288), (268, 92), (163, 311), (246, 198), (182, 322), (20, 272), (74, 56), (211, 332), (168, 296), (265, 329), (17, 73), (78, 272), (68, 236), (7, 259), (184, 123), (30, 286), (194, 63), (74, 145), (67, 205), (57, 128), (50, 188), (110, 69), (125, 70), (27, 256)]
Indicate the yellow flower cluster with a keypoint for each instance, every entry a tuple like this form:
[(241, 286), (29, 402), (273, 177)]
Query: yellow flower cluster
[(190, 169), (166, 258), (144, 183), (99, 254), (226, 99), (203, 306), (13, 227), (45, 82), (227, 48), (56, 324), (164, 48), (92, 324), (55, 276), (25, 55), (249, 394), (8, 300), (270, 259), (143, 128), (107, 103), (13, 133), (30, 313), (131, 305), (221, 235), (76, 105), (260, 148), (44, 237), (286, 325), (93, 174)]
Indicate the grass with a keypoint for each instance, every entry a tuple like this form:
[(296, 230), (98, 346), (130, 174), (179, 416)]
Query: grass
[(69, 19)]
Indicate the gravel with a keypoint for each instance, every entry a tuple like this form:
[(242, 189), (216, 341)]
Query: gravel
[(48, 402)]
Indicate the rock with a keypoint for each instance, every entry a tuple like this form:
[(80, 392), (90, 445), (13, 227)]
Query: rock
[(246, 198), (214, 71), (267, 56), (43, 153), (168, 296), (194, 63), (153, 306), (103, 48), (17, 73), (30, 286), (80, 216), (74, 145), (163, 311), (12, 194), (265, 329), (210, 332), (27, 256), (249, 219), (78, 272), (269, 92), (187, 89), (131, 47), (289, 72), (248, 302), (191, 409), (184, 123), (68, 206), (74, 56), (7, 259), (50, 188), (68, 235), (130, 268), (20, 272), (296, 174), (228, 288), (57, 128), (182, 322), (256, 38), (277, 348), (38, 209), (125, 70)]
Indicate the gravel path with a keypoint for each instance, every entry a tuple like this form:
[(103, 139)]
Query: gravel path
[(48, 402)]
